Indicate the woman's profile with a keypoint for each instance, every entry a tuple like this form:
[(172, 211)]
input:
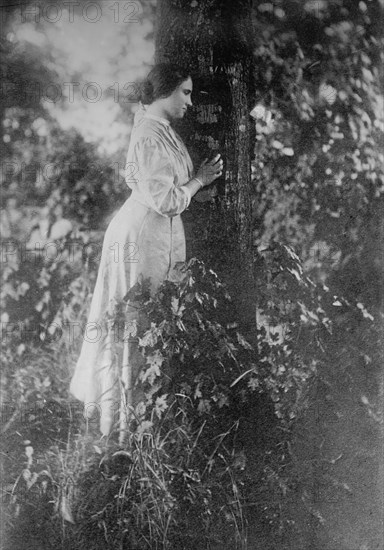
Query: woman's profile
[(146, 237)]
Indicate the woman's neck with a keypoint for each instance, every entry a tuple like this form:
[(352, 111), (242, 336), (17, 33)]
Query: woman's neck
[(158, 110)]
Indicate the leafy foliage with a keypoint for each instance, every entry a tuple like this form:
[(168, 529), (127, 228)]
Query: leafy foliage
[(184, 461), (318, 168), (33, 281)]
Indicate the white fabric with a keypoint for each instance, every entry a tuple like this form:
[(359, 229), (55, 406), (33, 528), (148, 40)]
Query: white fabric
[(189, 195), (145, 238)]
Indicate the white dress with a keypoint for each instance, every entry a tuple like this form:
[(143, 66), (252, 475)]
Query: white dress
[(145, 238)]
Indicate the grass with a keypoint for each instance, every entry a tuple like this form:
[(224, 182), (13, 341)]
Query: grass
[(160, 491)]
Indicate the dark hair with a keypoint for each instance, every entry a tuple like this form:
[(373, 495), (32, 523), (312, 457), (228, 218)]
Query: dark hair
[(162, 80)]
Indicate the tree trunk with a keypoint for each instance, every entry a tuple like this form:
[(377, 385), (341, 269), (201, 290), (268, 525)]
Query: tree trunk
[(214, 39)]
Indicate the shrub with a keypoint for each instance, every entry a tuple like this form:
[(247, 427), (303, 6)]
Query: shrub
[(212, 404)]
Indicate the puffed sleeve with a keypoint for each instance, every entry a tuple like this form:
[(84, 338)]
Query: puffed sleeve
[(156, 175)]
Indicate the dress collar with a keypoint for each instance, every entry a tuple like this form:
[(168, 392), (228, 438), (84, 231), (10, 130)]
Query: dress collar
[(158, 118)]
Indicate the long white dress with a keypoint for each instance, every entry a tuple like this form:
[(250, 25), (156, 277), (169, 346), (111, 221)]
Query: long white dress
[(145, 238)]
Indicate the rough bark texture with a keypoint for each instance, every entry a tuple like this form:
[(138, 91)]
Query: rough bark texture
[(215, 40)]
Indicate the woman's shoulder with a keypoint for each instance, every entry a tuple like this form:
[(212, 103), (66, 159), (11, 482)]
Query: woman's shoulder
[(147, 132), (146, 142)]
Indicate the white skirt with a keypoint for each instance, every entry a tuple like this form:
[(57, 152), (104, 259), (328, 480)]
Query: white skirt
[(139, 242)]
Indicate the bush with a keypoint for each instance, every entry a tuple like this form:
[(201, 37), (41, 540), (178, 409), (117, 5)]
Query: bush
[(212, 405)]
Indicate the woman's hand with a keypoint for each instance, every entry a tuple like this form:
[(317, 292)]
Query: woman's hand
[(209, 171)]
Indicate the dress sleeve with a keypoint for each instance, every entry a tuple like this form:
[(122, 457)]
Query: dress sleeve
[(156, 175)]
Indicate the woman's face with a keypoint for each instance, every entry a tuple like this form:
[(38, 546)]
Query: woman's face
[(175, 105)]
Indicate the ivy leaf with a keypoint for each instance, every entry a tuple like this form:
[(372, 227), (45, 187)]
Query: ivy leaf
[(198, 391), (150, 337), (204, 406), (161, 405), (242, 341), (144, 427), (223, 400), (253, 383), (155, 361), (176, 308)]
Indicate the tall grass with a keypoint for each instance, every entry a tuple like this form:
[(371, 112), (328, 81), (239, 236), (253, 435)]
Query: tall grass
[(163, 490)]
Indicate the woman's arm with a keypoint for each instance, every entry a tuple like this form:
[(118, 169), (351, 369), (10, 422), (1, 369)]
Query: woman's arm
[(156, 178), (192, 187), (207, 173)]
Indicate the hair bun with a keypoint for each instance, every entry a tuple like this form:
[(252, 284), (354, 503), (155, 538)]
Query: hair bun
[(161, 82), (146, 92)]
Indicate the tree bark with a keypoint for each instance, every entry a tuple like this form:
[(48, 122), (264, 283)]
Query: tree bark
[(214, 38)]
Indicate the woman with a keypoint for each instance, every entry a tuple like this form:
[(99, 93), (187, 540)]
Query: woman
[(146, 237)]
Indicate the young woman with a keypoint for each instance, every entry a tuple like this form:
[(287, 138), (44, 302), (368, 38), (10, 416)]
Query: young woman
[(146, 237)]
